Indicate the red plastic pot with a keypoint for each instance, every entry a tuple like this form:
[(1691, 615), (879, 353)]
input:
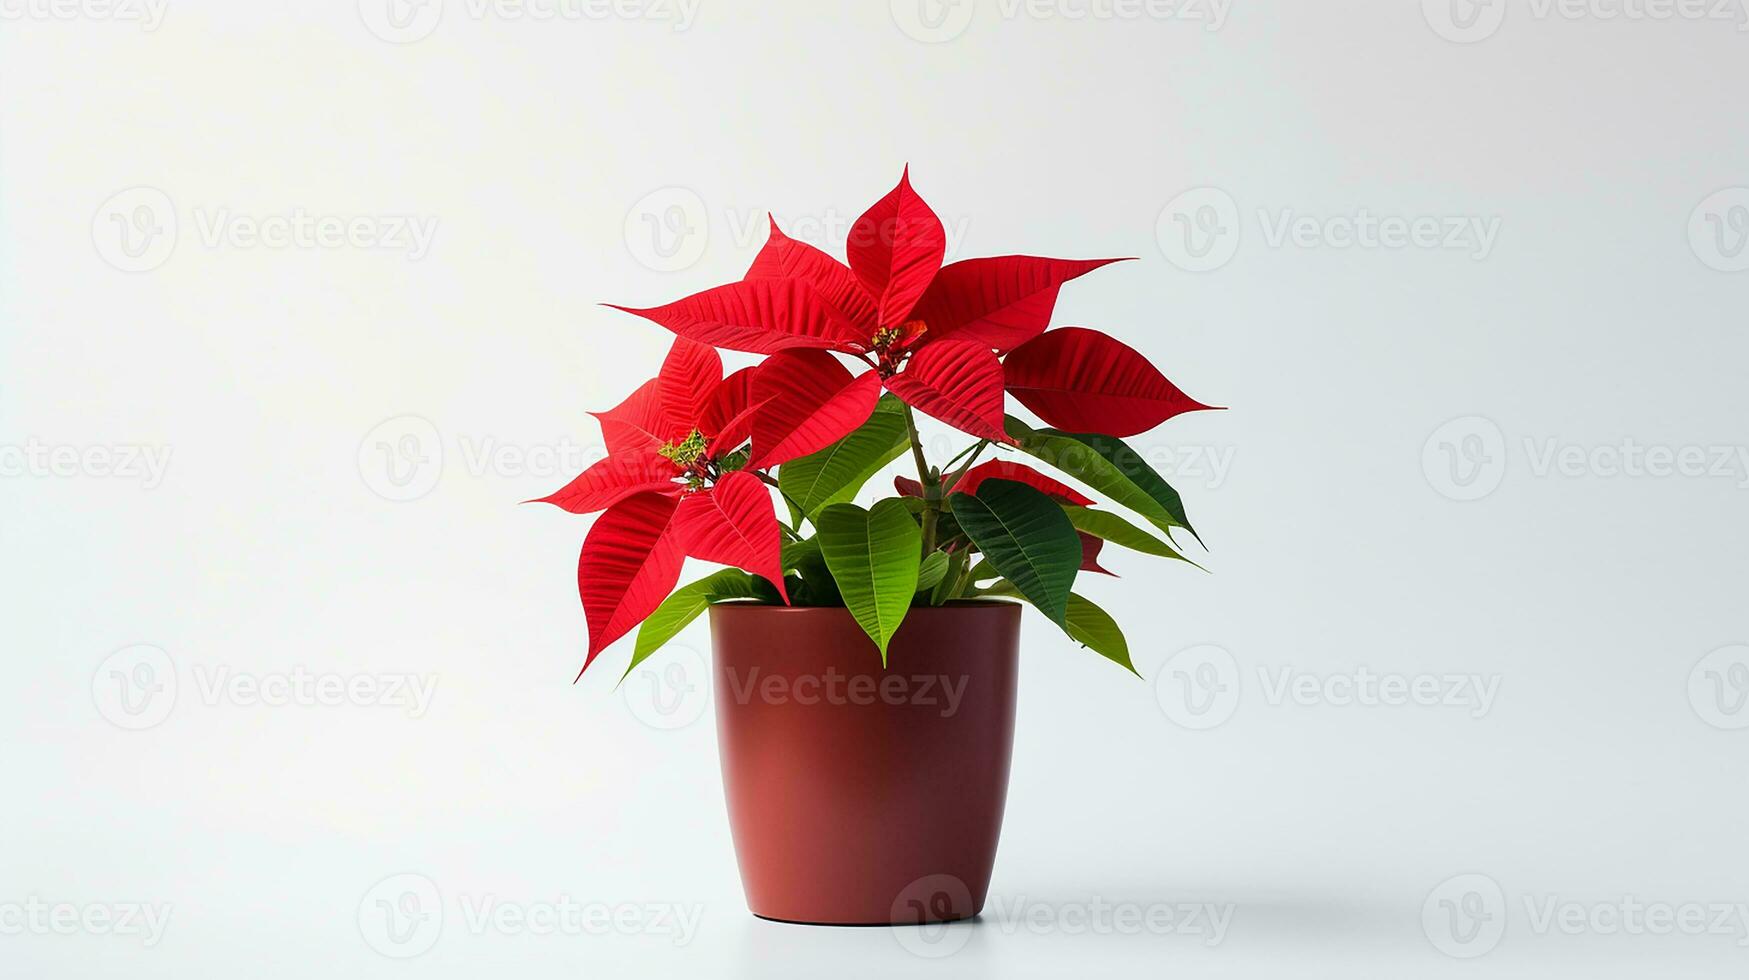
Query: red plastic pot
[(857, 795)]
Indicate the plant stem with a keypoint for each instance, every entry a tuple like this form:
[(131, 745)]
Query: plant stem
[(948, 483), (931, 486)]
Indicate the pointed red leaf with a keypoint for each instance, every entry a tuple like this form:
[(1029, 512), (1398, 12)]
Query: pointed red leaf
[(1002, 301), (690, 375), (895, 249), (610, 480), (762, 316), (907, 487), (733, 523), (1001, 469), (1091, 546), (808, 401), (727, 419), (958, 382), (630, 562), (1081, 380), (638, 426), (784, 257)]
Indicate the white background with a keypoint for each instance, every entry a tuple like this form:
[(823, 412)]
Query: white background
[(572, 160)]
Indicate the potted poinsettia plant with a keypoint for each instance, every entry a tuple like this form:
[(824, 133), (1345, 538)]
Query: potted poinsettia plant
[(866, 657)]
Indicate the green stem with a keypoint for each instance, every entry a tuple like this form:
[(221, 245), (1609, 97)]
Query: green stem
[(950, 482), (931, 486)]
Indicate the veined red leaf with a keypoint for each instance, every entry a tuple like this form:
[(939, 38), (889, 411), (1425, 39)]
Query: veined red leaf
[(690, 375), (784, 257), (638, 426), (1002, 301), (1001, 469), (895, 248), (1091, 546), (733, 523), (762, 316), (630, 562), (958, 382), (727, 418), (610, 480), (808, 401), (1081, 380)]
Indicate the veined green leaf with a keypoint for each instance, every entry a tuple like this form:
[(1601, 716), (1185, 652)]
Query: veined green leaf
[(1027, 538), (1094, 628), (835, 474), (684, 606), (874, 556), (932, 571), (1110, 527), (1108, 465), (1086, 624)]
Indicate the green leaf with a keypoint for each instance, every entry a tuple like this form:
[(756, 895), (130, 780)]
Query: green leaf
[(950, 581), (684, 606), (835, 474), (874, 556), (1028, 539), (1108, 465), (1093, 627), (1110, 527), (932, 571)]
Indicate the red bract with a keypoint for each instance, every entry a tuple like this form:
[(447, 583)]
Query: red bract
[(933, 333), (670, 491), (1081, 380)]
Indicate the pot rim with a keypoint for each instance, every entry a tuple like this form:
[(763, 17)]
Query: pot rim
[(914, 610)]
